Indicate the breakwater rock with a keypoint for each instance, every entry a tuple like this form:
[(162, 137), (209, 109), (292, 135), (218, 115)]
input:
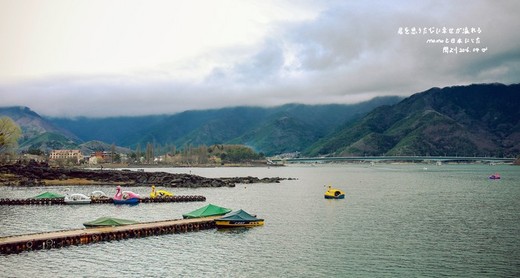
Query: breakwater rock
[(39, 174)]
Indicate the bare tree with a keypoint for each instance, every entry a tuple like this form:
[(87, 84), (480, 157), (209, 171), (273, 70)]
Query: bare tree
[(138, 153), (112, 152), (149, 153), (9, 134)]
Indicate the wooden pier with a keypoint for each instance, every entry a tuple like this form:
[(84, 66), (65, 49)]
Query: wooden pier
[(59, 239), (61, 201)]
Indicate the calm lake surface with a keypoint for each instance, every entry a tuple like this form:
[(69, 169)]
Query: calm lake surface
[(396, 221)]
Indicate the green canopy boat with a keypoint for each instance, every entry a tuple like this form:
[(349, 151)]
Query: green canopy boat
[(206, 211), (108, 221), (239, 218), (49, 195)]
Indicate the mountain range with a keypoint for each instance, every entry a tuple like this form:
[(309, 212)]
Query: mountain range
[(481, 119), (475, 120), (274, 130)]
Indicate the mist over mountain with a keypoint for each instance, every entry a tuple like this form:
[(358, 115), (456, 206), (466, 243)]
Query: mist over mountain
[(287, 128), (33, 124), (474, 120)]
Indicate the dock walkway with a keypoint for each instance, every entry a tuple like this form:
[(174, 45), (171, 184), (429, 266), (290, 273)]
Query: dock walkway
[(58, 239), (61, 201)]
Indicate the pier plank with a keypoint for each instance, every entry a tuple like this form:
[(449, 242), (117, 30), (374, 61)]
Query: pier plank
[(18, 243)]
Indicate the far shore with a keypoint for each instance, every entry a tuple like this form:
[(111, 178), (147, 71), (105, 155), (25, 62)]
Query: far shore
[(42, 174), (138, 166)]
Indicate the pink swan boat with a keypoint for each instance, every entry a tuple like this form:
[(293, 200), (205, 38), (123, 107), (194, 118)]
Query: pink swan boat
[(125, 197)]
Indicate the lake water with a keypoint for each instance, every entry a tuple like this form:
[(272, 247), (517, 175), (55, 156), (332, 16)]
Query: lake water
[(396, 221)]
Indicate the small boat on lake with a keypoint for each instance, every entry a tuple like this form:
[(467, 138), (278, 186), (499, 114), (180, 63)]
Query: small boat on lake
[(77, 199), (49, 195), (206, 211), (333, 193), (159, 193), (238, 218), (108, 222), (125, 197), (98, 194), (495, 176)]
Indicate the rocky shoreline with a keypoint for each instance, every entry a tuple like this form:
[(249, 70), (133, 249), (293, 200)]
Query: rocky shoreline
[(41, 174)]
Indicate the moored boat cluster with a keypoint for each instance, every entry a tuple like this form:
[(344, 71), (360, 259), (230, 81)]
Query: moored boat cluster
[(61, 201)]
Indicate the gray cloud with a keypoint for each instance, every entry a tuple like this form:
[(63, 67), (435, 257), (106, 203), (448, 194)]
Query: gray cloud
[(350, 52), (257, 68)]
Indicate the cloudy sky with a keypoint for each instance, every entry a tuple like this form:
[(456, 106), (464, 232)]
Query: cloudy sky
[(129, 57)]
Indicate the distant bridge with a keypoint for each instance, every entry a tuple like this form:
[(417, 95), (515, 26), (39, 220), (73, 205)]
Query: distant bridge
[(394, 159)]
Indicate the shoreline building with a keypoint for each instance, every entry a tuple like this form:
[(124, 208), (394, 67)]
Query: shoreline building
[(66, 154)]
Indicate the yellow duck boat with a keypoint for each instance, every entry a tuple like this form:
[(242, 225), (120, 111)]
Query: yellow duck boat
[(334, 193), (159, 193)]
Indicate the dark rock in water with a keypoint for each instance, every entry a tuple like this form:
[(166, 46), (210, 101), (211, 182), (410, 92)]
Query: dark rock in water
[(33, 174)]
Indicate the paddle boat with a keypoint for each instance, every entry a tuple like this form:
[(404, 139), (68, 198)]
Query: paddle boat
[(333, 193), (98, 195), (238, 218), (77, 199), (125, 197), (159, 193), (495, 176)]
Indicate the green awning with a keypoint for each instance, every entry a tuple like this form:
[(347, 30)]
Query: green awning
[(49, 195), (109, 221), (239, 215), (209, 210)]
